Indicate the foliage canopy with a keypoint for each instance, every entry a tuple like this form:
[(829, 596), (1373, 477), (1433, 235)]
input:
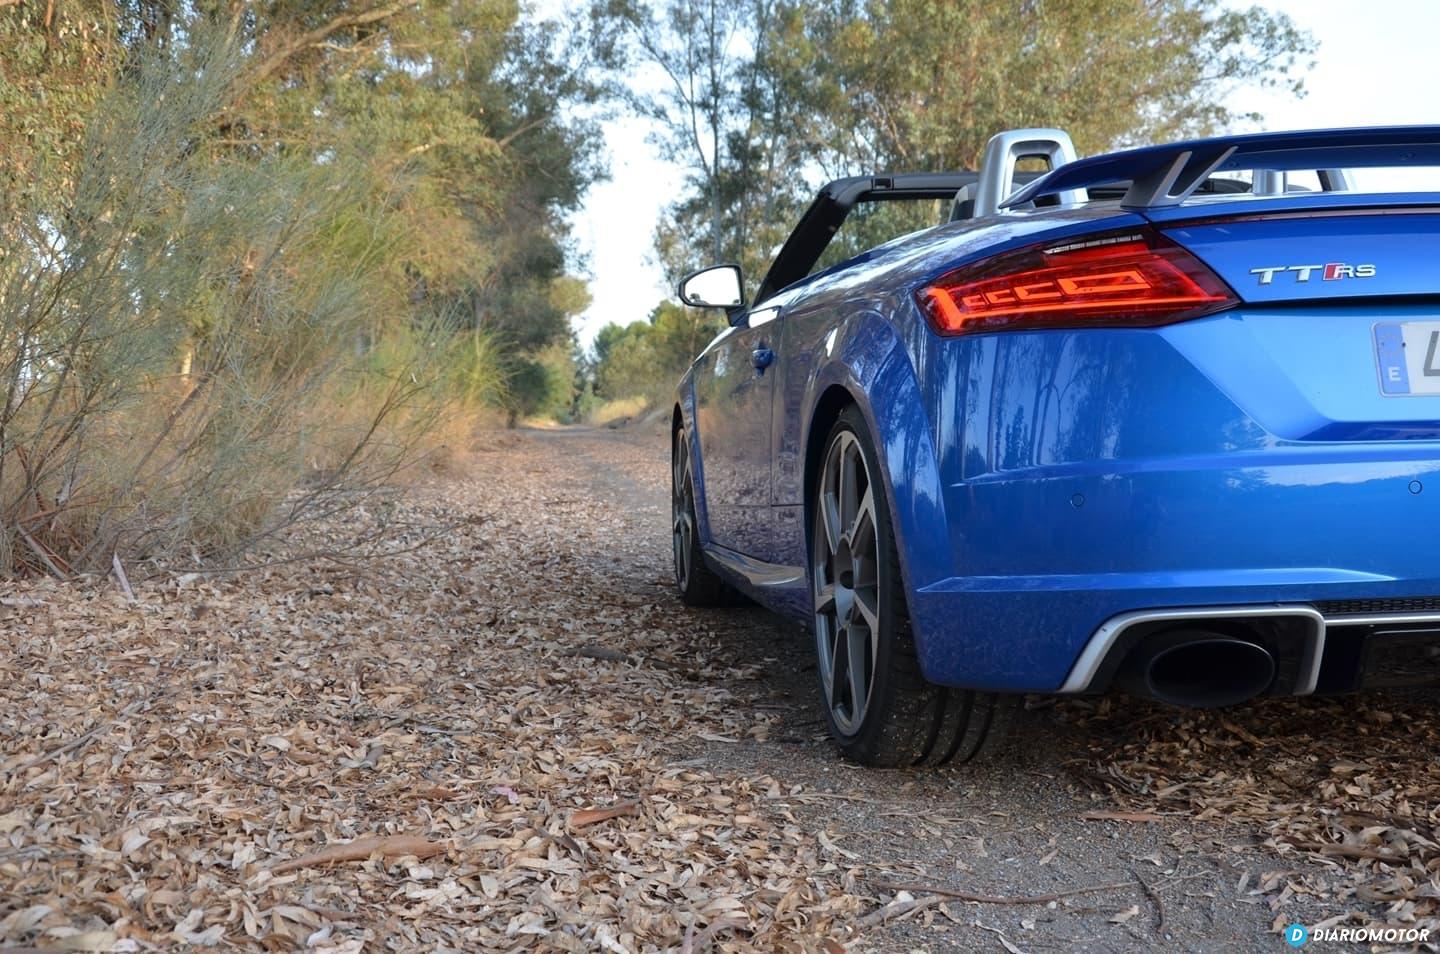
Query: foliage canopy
[(767, 99)]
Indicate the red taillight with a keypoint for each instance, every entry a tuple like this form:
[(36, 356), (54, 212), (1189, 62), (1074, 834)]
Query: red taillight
[(1138, 278)]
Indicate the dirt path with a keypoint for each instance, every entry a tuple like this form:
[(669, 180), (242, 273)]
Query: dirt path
[(1012, 829), (487, 690)]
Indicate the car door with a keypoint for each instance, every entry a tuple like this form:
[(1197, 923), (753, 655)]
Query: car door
[(734, 394)]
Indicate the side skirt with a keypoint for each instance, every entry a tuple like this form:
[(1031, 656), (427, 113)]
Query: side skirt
[(784, 589)]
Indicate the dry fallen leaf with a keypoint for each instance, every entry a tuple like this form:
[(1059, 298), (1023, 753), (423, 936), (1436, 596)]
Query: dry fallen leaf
[(88, 941), (592, 816), (1123, 916)]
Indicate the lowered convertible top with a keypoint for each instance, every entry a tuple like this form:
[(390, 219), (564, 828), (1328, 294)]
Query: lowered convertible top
[(1163, 176), (1153, 180)]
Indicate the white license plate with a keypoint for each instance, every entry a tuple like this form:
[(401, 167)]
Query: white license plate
[(1408, 353)]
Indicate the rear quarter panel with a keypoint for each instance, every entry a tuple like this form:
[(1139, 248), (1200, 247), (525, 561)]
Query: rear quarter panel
[(856, 346), (856, 327)]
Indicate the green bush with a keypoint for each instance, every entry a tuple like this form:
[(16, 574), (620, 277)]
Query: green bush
[(184, 337), (645, 358)]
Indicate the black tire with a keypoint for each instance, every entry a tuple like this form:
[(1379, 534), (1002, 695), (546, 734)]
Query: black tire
[(859, 603), (697, 583)]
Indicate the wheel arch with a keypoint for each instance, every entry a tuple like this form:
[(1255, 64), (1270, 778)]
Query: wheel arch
[(831, 403), (682, 421)]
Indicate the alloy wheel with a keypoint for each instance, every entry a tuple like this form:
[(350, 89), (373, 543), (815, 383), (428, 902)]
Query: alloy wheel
[(682, 512), (845, 566)]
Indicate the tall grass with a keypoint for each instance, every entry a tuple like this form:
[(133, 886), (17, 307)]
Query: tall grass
[(198, 350)]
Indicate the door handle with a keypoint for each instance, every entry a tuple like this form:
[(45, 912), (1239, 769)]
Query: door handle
[(762, 358)]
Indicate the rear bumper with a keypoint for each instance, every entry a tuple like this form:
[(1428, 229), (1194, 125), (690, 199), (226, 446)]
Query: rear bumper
[(1324, 532), (1032, 640)]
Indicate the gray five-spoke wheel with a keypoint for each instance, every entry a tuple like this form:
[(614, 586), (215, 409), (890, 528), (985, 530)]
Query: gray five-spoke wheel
[(682, 513), (845, 579)]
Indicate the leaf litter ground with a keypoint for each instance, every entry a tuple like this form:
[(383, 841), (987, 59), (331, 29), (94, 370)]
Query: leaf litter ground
[(512, 737)]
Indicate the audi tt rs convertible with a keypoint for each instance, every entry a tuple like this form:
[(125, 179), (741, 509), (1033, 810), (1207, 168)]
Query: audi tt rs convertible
[(1164, 420)]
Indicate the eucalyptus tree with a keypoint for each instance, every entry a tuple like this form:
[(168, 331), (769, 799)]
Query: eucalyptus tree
[(762, 100)]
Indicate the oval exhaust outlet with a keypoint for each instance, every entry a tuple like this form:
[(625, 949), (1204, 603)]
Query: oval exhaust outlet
[(1203, 670)]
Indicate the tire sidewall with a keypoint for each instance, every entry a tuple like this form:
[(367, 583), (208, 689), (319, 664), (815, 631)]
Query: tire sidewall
[(703, 587), (680, 449), (894, 618)]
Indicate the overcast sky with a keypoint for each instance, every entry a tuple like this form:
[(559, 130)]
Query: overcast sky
[(1377, 65)]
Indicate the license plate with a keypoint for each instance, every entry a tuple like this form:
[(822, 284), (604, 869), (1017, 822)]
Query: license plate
[(1409, 357)]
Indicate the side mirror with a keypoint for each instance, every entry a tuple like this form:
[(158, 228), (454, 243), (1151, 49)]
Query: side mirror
[(719, 286)]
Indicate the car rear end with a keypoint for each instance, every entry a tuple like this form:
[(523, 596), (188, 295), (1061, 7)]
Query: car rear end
[(1198, 456)]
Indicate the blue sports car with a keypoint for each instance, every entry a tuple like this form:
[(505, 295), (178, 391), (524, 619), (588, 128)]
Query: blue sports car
[(1165, 420)]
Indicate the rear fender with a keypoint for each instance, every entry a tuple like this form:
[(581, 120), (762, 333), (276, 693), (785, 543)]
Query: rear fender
[(872, 364)]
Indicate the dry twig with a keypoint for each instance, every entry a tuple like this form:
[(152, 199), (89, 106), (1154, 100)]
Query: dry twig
[(1003, 899), (1154, 895), (1121, 816), (387, 846), (120, 577), (1348, 851), (896, 910)]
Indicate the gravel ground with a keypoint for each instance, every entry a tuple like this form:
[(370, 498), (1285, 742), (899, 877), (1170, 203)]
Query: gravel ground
[(509, 735)]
